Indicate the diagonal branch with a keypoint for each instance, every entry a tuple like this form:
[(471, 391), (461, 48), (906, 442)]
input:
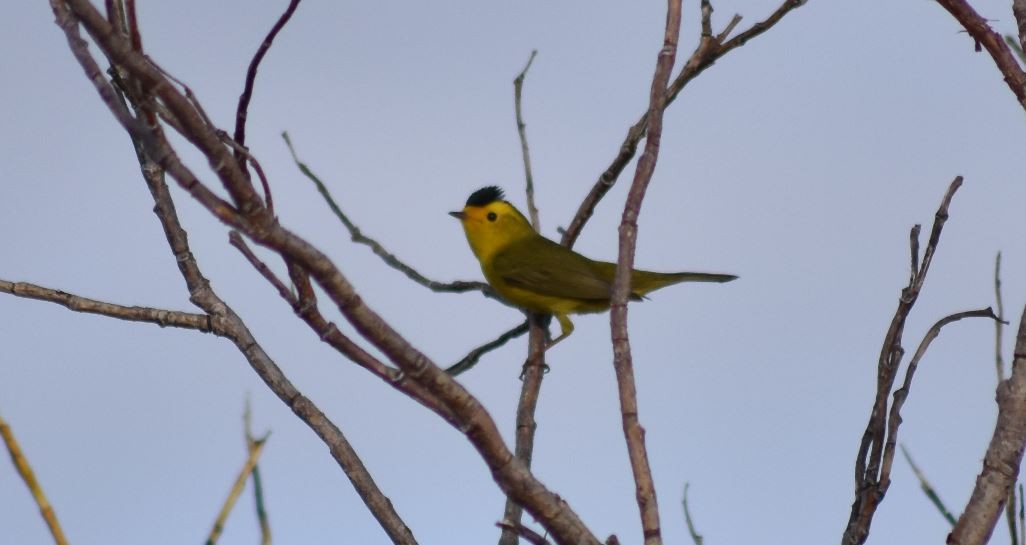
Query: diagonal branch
[(25, 471), (709, 50), (255, 449), (980, 30), (622, 361), (258, 487), (305, 306), (928, 488), (472, 357)]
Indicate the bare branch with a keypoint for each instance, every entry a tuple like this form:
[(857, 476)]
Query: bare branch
[(534, 367), (999, 324), (390, 259), (984, 35), (472, 357), (518, 88), (159, 316), (928, 489), (242, 110), (25, 472), (531, 376), (870, 483), (634, 434)]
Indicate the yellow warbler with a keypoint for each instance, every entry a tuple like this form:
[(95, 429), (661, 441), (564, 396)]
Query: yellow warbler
[(537, 274)]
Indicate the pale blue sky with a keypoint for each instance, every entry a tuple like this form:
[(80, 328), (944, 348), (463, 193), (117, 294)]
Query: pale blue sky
[(799, 162)]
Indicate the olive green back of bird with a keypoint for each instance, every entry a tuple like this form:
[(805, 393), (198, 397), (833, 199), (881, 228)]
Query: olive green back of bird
[(540, 275)]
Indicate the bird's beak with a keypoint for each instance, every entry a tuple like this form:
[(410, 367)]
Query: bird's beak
[(457, 215)]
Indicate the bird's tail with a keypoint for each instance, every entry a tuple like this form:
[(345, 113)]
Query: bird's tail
[(643, 282)]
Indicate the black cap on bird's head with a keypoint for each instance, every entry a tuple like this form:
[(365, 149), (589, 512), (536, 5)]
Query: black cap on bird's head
[(485, 195)]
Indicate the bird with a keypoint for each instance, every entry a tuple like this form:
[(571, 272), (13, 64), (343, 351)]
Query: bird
[(539, 275)]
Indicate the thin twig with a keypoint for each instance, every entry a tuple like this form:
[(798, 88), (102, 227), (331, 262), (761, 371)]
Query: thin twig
[(77, 303), (999, 324), (695, 536), (928, 489), (242, 154), (242, 110), (25, 471), (255, 449), (870, 480), (472, 357), (390, 259), (258, 486), (518, 89), (634, 434), (901, 394)]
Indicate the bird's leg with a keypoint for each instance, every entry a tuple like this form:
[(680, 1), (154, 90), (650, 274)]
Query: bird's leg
[(566, 326)]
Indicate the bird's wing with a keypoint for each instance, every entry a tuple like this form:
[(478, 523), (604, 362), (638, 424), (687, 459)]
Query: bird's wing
[(546, 268)]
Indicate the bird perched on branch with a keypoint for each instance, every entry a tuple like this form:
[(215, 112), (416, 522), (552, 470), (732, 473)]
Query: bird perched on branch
[(539, 275)]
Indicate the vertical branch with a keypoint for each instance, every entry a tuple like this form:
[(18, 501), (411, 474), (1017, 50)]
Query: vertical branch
[(27, 475), (518, 88), (999, 363), (634, 434), (999, 324), (534, 367)]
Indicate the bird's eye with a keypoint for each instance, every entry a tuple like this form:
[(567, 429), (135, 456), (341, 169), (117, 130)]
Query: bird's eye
[(492, 216)]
